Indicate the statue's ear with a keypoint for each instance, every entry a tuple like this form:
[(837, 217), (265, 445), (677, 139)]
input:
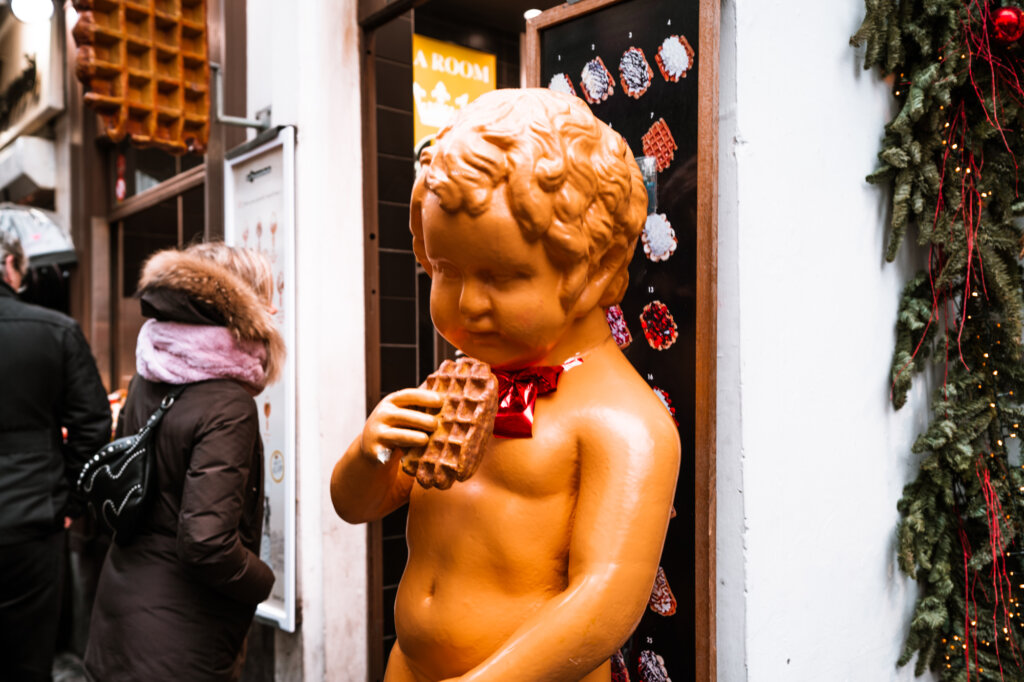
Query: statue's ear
[(605, 285)]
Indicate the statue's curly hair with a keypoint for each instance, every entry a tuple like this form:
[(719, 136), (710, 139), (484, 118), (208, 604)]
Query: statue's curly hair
[(569, 180)]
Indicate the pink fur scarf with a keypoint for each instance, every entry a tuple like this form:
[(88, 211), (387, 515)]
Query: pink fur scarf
[(177, 353)]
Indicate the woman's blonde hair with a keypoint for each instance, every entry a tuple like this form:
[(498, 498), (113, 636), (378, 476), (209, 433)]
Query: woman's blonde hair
[(252, 266)]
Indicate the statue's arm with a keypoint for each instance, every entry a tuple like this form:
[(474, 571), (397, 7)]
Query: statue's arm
[(628, 469), (366, 484)]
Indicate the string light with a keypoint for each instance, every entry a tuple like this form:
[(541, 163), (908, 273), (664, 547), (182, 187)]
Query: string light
[(976, 228)]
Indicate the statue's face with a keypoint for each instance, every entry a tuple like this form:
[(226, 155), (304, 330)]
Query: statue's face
[(494, 295)]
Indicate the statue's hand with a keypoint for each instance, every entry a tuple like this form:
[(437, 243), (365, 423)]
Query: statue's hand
[(399, 421)]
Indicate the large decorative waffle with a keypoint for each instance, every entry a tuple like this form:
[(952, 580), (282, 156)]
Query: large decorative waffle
[(146, 70), (465, 422)]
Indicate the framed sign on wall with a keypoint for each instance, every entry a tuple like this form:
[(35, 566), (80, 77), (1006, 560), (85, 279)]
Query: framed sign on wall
[(259, 213), (648, 68)]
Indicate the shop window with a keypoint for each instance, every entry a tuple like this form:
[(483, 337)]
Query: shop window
[(143, 233), (193, 216), (134, 170), (175, 221)]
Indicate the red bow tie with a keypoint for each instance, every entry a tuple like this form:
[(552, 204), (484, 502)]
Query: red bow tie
[(517, 392)]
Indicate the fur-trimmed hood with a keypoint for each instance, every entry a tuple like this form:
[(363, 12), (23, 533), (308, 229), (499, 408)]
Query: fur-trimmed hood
[(177, 286)]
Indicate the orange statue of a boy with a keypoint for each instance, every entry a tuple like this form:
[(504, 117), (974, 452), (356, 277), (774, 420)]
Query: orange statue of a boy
[(538, 567)]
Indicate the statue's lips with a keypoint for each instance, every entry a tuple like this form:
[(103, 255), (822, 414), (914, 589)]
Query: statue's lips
[(483, 337)]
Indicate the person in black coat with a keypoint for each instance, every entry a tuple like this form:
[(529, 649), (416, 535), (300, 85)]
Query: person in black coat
[(49, 381)]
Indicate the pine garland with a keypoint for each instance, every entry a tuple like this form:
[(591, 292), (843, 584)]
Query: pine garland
[(950, 156)]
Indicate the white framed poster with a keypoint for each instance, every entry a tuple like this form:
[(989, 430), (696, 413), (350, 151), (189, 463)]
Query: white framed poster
[(259, 213)]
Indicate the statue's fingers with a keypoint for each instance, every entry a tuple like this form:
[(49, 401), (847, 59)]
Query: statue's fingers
[(410, 419), (417, 397), (393, 437)]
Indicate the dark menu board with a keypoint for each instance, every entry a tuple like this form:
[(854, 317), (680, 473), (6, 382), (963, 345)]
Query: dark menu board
[(636, 64)]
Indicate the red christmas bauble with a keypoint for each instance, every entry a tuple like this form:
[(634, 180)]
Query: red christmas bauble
[(1007, 24)]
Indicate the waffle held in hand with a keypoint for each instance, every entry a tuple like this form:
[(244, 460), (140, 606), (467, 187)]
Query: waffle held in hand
[(465, 422)]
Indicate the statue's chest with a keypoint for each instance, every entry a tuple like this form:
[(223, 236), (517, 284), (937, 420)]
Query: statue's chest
[(543, 465)]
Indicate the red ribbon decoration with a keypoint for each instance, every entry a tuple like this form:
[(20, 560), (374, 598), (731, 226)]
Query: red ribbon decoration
[(517, 392)]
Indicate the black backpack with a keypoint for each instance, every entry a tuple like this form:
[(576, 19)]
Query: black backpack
[(116, 482)]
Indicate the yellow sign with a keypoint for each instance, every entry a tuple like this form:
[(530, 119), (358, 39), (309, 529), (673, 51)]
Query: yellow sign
[(445, 78)]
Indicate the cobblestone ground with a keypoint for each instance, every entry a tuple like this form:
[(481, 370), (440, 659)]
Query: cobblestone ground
[(67, 667)]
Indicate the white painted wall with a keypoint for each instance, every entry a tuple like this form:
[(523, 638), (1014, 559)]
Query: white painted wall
[(811, 456), (303, 61)]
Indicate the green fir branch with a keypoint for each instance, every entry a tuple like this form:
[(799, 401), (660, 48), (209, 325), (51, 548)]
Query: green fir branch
[(964, 313)]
